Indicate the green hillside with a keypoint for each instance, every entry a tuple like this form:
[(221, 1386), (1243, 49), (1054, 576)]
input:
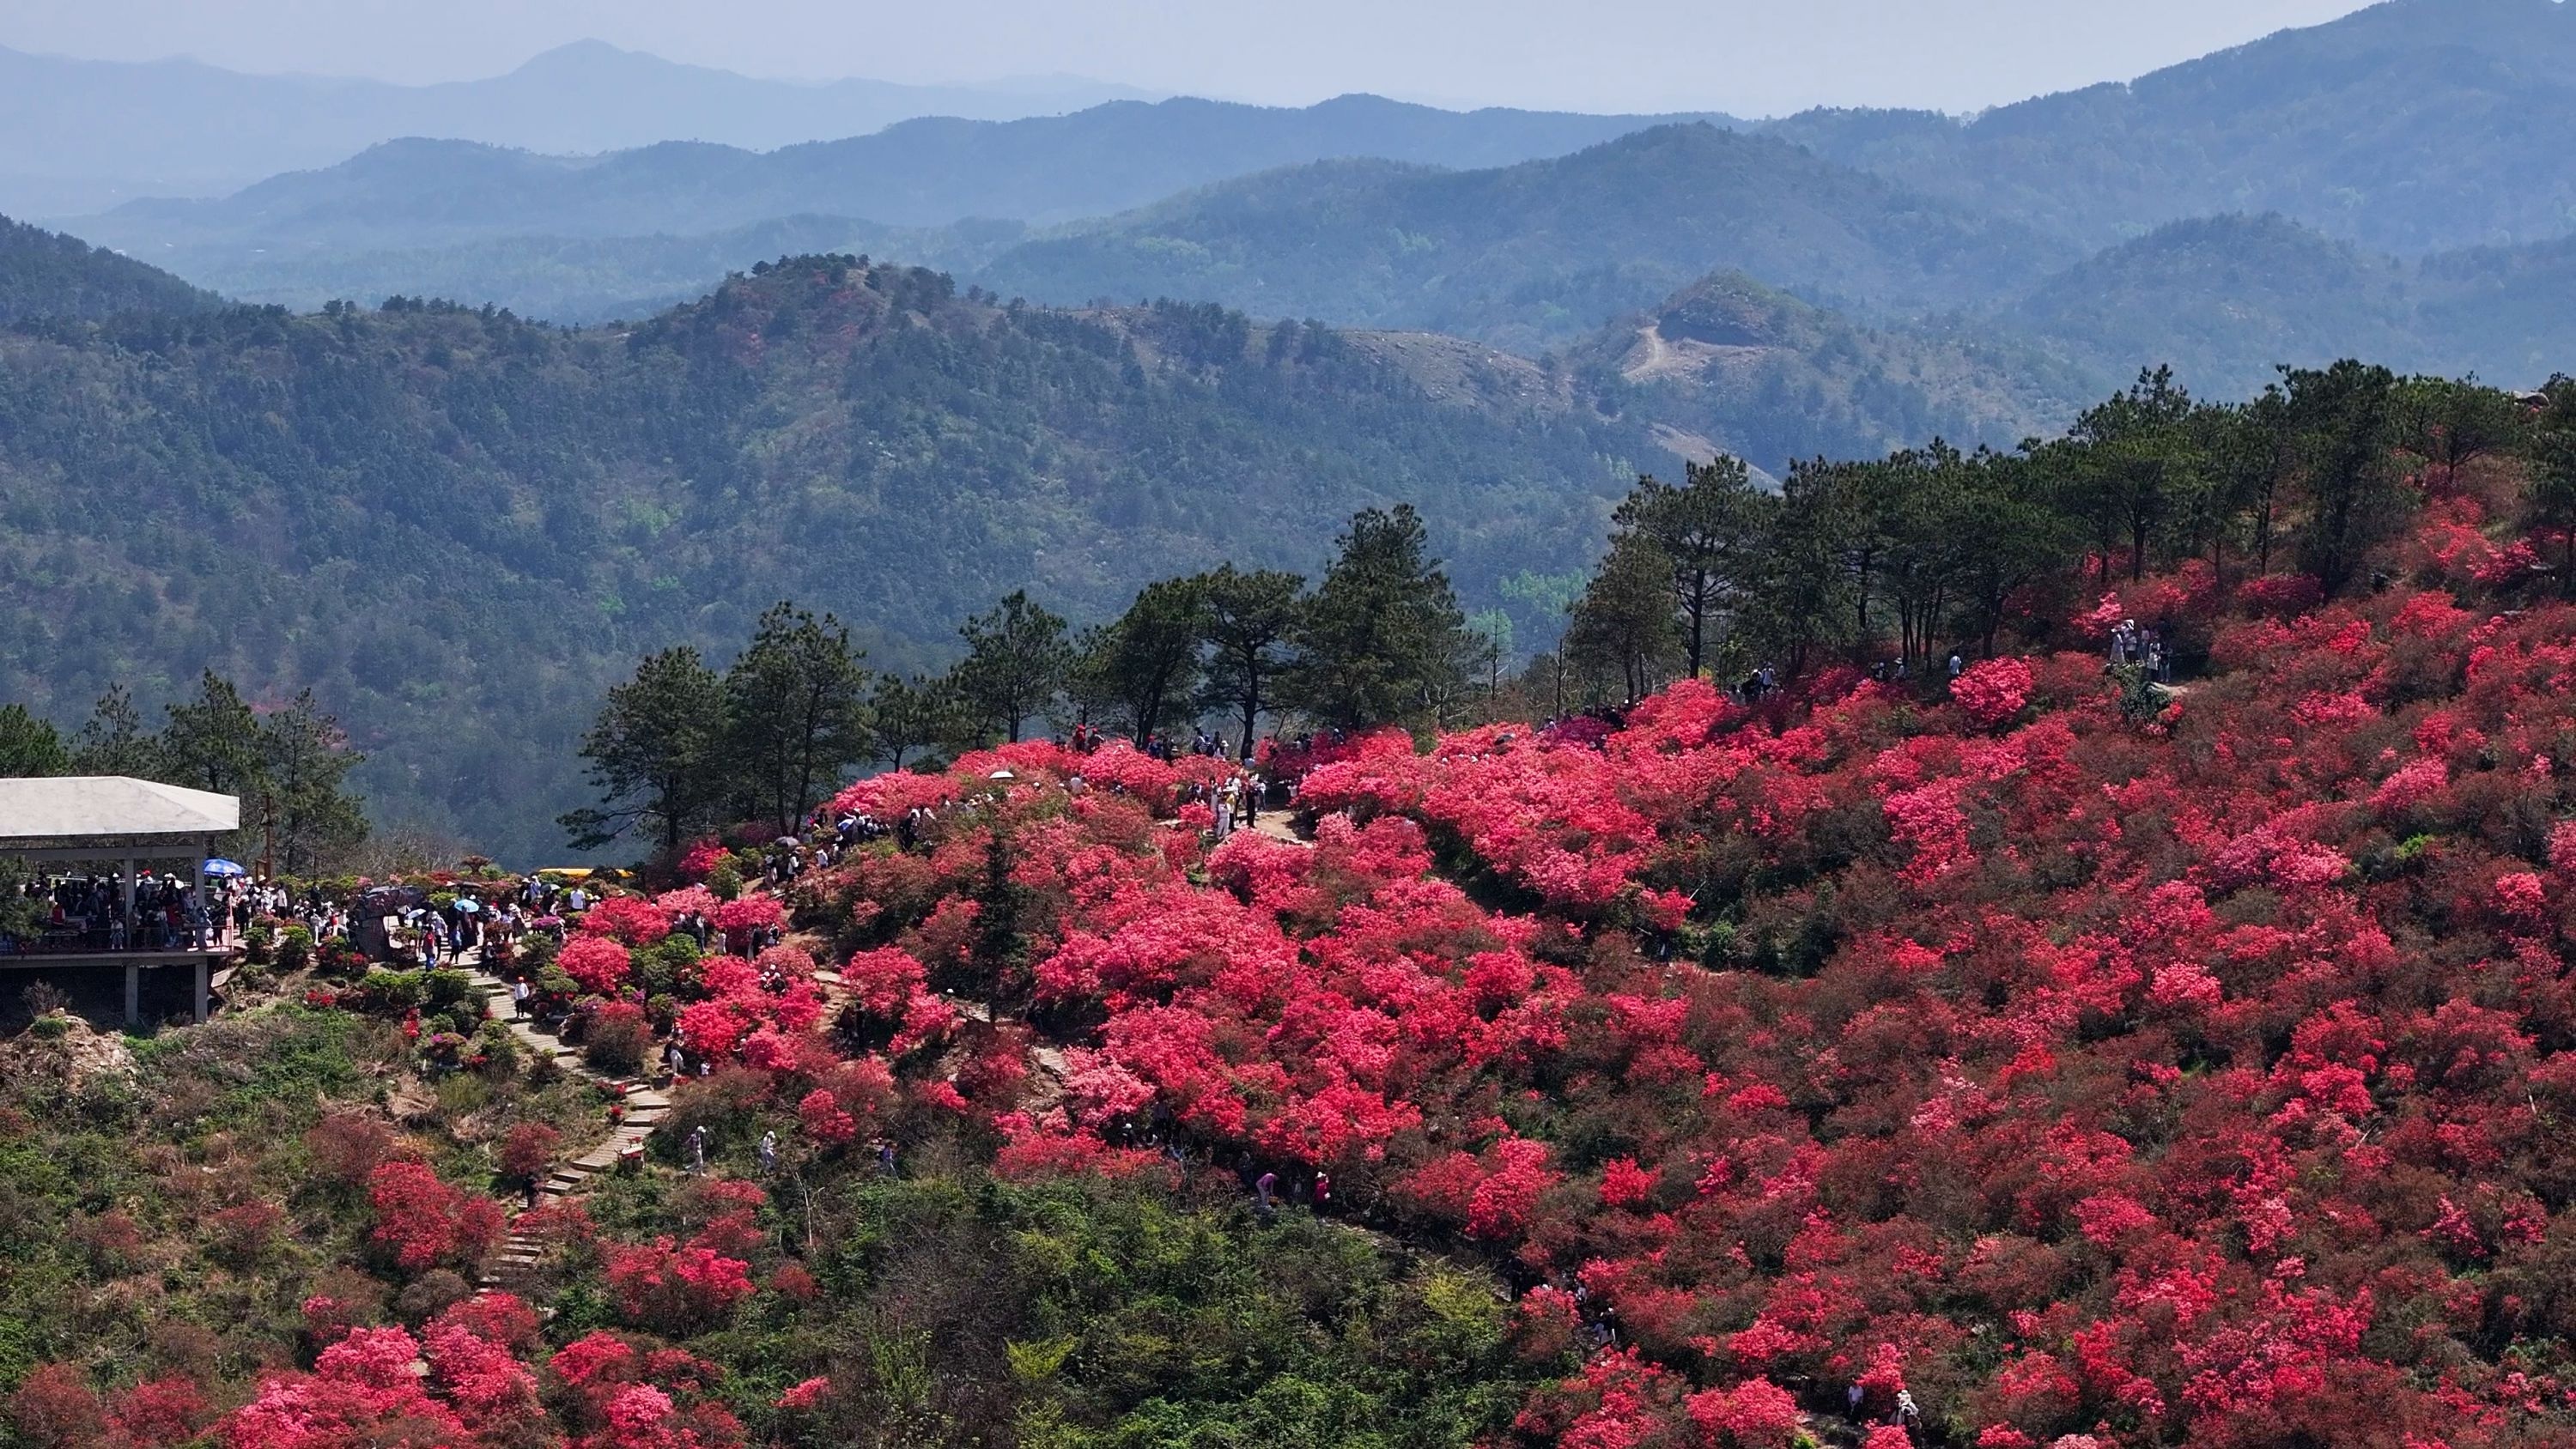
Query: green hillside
[(2226, 299), (456, 527), (1535, 255), (575, 280), (47, 275), (1730, 365)]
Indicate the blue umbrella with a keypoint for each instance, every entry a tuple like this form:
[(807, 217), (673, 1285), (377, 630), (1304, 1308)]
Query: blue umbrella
[(224, 867)]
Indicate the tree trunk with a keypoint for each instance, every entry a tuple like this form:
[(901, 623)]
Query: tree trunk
[(1251, 709)]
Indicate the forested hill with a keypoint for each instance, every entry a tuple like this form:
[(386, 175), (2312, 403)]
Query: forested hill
[(2227, 298), (44, 274), (457, 526), (1765, 377), (1533, 255)]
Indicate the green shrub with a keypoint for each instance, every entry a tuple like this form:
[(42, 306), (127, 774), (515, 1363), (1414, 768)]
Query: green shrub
[(725, 882), (390, 990), (663, 966), (295, 949), (462, 1095), (447, 988), (499, 1049)]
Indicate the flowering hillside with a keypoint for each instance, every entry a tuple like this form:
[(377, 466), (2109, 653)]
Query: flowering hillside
[(2187, 1073), (2030, 1056)]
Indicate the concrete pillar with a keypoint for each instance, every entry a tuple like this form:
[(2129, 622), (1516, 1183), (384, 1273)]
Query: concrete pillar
[(129, 901), (201, 990), (133, 996)]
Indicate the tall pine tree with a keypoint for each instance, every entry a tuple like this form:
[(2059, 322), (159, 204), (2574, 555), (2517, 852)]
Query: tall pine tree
[(1381, 640)]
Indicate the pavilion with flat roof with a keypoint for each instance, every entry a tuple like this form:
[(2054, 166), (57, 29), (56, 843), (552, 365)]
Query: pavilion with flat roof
[(111, 824)]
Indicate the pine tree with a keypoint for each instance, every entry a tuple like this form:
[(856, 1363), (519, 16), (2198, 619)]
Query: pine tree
[(1624, 629), (796, 706), (1144, 666), (2342, 417), (1250, 616), (1015, 664), (1707, 532), (114, 742), (2553, 474), (212, 742), (655, 754), (907, 715), (304, 761), (2132, 464), (30, 746), (1380, 641)]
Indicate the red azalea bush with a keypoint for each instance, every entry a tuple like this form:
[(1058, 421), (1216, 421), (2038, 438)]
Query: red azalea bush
[(2163, 1081), (701, 858), (468, 1377), (598, 963), (424, 1223), (627, 920), (1993, 691), (528, 1150), (675, 1289)]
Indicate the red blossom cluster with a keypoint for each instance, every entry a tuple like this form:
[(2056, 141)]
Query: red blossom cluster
[(597, 962), (469, 1376), (424, 1223), (2087, 1077), (464, 1379)]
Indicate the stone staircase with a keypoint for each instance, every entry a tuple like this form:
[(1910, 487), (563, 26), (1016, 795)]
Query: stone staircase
[(646, 1108)]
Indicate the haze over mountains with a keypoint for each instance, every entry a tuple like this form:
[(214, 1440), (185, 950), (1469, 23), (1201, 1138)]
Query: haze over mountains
[(79, 135), (1499, 315), (2423, 135), (2412, 126)]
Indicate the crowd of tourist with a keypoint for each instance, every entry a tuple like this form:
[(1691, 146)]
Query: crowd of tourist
[(85, 912)]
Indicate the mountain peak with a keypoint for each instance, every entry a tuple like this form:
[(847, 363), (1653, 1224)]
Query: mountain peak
[(592, 58)]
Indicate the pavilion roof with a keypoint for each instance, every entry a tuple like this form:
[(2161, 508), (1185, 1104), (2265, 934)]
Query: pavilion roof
[(73, 810)]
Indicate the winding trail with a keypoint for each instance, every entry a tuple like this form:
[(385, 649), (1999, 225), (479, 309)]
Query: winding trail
[(647, 1108), (1278, 825)]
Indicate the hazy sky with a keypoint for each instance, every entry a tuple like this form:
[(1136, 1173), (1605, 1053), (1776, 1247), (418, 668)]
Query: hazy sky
[(1746, 56)]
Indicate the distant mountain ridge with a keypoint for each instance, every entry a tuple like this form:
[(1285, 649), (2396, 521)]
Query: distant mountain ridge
[(75, 135), (2411, 126), (1534, 255), (920, 173)]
